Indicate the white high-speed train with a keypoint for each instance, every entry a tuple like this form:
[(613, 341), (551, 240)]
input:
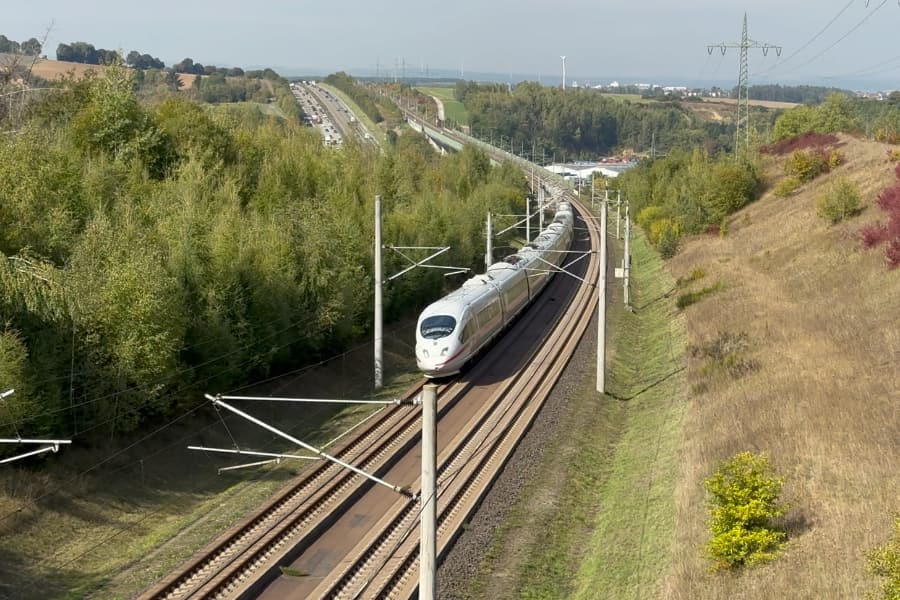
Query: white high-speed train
[(453, 329)]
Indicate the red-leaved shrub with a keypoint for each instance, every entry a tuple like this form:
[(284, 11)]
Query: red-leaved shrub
[(892, 253), (879, 233), (897, 170), (872, 235), (889, 200), (809, 139)]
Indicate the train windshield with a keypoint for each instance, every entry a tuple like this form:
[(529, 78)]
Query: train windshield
[(438, 326)]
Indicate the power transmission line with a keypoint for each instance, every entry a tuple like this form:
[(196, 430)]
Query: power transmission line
[(811, 40), (840, 39), (742, 134), (881, 67)]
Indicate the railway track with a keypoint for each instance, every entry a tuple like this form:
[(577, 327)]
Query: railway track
[(333, 533)]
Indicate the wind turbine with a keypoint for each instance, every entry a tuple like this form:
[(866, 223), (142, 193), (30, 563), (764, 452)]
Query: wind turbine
[(564, 72)]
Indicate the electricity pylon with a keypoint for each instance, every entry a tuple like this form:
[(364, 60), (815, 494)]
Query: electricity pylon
[(743, 122)]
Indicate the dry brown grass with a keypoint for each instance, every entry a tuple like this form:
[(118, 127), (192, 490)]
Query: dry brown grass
[(762, 103), (57, 69), (823, 320)]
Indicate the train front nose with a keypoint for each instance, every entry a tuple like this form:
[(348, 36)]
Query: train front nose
[(432, 355)]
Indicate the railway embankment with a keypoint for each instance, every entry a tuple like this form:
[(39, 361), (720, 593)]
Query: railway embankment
[(611, 502), (593, 482)]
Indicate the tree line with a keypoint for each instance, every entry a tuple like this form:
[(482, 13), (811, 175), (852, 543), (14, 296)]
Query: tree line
[(800, 94), (82, 52), (584, 123), (150, 252), (30, 47)]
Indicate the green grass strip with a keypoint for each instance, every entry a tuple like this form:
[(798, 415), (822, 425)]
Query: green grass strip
[(453, 108), (598, 520), (632, 541)]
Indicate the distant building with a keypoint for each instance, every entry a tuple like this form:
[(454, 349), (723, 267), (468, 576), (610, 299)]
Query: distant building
[(584, 171)]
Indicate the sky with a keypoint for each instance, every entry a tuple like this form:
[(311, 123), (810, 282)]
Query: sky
[(652, 41)]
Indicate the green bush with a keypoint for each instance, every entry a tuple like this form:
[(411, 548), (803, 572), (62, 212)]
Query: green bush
[(696, 274), (743, 502), (837, 113), (688, 298), (786, 187), (648, 215), (884, 561), (806, 166), (665, 235), (840, 201)]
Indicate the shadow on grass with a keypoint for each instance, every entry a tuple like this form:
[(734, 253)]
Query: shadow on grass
[(18, 577), (656, 383), (798, 521), (657, 299), (114, 503)]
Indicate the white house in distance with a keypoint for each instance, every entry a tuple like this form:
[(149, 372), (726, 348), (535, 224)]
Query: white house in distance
[(586, 170)]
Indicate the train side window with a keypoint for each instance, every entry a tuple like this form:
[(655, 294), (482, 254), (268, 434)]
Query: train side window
[(468, 331)]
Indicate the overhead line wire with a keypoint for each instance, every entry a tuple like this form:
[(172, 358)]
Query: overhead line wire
[(159, 430), (810, 41), (876, 68), (840, 39), (166, 377)]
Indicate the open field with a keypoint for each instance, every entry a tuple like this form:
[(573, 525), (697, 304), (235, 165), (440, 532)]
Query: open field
[(106, 522), (57, 69), (453, 108), (751, 102), (821, 318), (51, 69)]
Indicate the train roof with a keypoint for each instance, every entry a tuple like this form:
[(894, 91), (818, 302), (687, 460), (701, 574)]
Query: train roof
[(454, 303)]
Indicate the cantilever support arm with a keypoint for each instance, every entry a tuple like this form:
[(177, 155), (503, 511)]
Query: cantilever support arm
[(399, 489)]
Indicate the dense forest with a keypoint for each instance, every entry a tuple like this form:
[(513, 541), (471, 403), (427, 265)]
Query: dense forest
[(150, 251), (583, 123)]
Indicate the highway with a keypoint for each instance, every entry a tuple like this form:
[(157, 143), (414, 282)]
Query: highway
[(341, 119)]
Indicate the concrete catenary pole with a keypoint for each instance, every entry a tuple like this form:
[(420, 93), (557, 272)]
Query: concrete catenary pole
[(527, 219), (618, 210), (379, 357), (601, 306), (627, 261), (428, 520), (540, 208), (489, 250)]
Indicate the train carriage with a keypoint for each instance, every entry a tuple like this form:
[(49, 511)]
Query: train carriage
[(452, 330)]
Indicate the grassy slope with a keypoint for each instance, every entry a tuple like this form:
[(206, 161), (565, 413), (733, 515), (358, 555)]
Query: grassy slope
[(619, 511), (821, 315), (604, 499), (453, 108)]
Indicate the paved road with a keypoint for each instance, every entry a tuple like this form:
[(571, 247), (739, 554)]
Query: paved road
[(343, 119)]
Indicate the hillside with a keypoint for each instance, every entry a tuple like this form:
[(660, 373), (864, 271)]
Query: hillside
[(820, 314)]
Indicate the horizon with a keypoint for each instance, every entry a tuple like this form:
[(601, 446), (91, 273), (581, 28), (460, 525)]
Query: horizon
[(829, 43)]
